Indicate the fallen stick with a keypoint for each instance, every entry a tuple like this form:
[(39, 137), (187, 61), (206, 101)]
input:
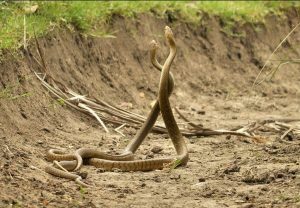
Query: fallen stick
[(118, 116), (95, 115)]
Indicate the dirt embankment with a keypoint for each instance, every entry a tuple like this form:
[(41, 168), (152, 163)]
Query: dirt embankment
[(214, 70)]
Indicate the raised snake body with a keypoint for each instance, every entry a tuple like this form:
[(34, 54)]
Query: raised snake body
[(125, 162)]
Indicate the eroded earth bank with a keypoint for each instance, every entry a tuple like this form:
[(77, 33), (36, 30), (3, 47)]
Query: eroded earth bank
[(214, 71)]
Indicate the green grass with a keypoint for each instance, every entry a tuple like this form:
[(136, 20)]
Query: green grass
[(10, 94), (14, 90), (89, 17)]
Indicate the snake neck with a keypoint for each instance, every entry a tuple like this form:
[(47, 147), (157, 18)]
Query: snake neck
[(167, 113)]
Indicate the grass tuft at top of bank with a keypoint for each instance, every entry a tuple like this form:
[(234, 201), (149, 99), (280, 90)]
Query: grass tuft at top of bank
[(19, 20)]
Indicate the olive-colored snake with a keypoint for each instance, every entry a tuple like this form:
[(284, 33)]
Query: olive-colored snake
[(125, 162)]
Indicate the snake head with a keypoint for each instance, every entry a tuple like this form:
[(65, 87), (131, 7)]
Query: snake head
[(153, 48), (168, 33), (153, 45), (169, 36)]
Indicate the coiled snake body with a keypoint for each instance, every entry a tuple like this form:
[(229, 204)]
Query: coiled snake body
[(125, 162)]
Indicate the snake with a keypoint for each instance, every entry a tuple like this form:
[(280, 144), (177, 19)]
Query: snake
[(125, 162)]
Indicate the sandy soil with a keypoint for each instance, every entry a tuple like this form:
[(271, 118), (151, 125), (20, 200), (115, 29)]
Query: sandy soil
[(213, 71)]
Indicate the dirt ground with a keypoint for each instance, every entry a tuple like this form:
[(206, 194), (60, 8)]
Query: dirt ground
[(213, 70)]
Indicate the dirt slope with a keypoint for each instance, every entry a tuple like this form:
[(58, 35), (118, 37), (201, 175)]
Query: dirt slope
[(213, 71)]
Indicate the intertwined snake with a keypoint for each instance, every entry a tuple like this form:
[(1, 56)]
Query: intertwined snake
[(125, 162)]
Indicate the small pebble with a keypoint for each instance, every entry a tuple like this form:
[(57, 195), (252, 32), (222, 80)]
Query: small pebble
[(83, 175), (201, 112), (156, 149), (201, 180), (121, 196), (264, 188), (60, 193), (100, 170), (228, 137), (142, 95), (116, 170), (149, 156), (45, 129), (156, 179), (175, 177)]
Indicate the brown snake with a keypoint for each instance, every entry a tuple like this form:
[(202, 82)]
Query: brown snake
[(125, 162)]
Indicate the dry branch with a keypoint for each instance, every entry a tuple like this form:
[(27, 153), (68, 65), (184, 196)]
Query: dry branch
[(105, 112)]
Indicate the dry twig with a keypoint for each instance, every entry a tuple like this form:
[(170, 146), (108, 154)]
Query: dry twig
[(105, 112)]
